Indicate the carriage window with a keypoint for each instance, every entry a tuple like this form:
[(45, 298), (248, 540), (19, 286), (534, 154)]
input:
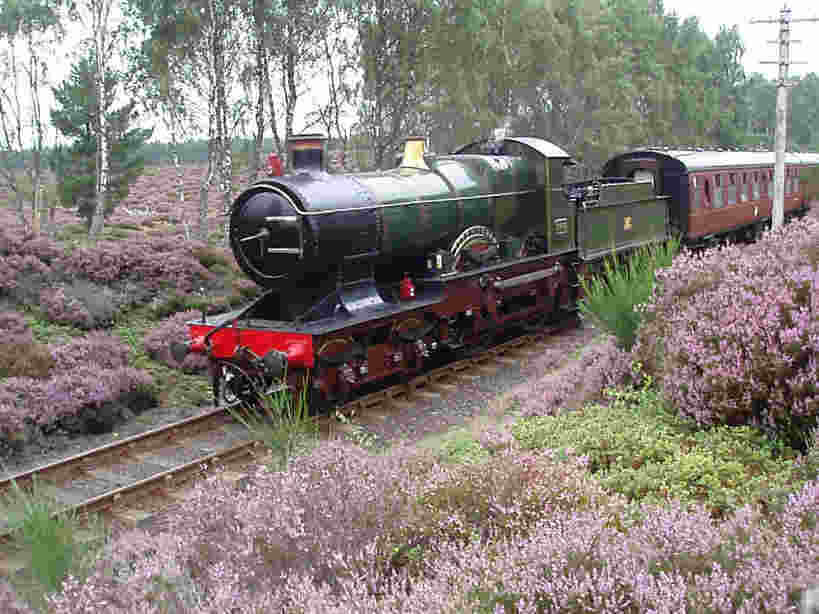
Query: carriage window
[(717, 191), (755, 186), (696, 193), (730, 191), (707, 187), (743, 195), (770, 185)]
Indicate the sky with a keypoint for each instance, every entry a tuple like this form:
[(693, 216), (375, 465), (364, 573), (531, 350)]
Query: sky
[(714, 13)]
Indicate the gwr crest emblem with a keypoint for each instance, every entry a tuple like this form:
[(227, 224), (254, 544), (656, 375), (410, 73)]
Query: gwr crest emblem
[(627, 223)]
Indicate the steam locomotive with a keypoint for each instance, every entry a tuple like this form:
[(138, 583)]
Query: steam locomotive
[(368, 276)]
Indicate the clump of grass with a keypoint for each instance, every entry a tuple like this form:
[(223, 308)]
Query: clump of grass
[(54, 542), (611, 298), (460, 446), (281, 421)]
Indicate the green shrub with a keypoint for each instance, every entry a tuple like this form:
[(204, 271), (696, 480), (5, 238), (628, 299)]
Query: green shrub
[(635, 428), (210, 256), (612, 296), (639, 449)]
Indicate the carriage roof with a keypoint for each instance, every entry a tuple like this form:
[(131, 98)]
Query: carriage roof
[(718, 160)]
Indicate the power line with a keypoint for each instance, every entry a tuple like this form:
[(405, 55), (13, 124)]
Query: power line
[(784, 62)]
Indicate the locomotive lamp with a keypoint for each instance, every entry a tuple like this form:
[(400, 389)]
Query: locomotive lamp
[(407, 288)]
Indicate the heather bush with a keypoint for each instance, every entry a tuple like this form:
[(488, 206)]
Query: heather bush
[(80, 304), (58, 306), (13, 327), (86, 398), (611, 299), (601, 365), (311, 540), (340, 517), (99, 348), (157, 343), (641, 450), (732, 336), (155, 262)]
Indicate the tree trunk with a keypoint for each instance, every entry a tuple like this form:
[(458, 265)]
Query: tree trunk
[(204, 188), (261, 82), (223, 141), (101, 9)]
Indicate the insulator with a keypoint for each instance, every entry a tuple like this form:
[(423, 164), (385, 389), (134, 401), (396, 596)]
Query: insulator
[(363, 369)]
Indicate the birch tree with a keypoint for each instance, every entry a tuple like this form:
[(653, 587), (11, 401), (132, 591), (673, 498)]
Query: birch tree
[(27, 30), (159, 70), (200, 42), (96, 18), (393, 36)]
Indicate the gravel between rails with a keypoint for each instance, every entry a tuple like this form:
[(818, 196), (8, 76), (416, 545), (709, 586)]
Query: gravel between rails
[(468, 398)]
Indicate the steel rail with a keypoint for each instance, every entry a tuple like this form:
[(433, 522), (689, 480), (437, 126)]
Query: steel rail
[(124, 446)]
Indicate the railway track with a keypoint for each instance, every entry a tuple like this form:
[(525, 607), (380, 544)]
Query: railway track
[(129, 482)]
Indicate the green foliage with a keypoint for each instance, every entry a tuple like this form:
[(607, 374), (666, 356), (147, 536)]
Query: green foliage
[(56, 542), (211, 256), (611, 299), (76, 166), (281, 421), (639, 449)]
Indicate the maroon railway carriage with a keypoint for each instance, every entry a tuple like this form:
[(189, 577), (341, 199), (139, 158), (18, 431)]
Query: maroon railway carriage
[(719, 194)]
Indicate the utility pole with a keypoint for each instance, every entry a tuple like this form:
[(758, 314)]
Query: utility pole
[(784, 42)]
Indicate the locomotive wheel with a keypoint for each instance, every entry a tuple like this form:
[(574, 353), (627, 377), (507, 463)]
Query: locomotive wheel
[(233, 386)]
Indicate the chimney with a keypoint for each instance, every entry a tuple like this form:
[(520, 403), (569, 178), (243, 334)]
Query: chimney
[(305, 153), (414, 152)]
